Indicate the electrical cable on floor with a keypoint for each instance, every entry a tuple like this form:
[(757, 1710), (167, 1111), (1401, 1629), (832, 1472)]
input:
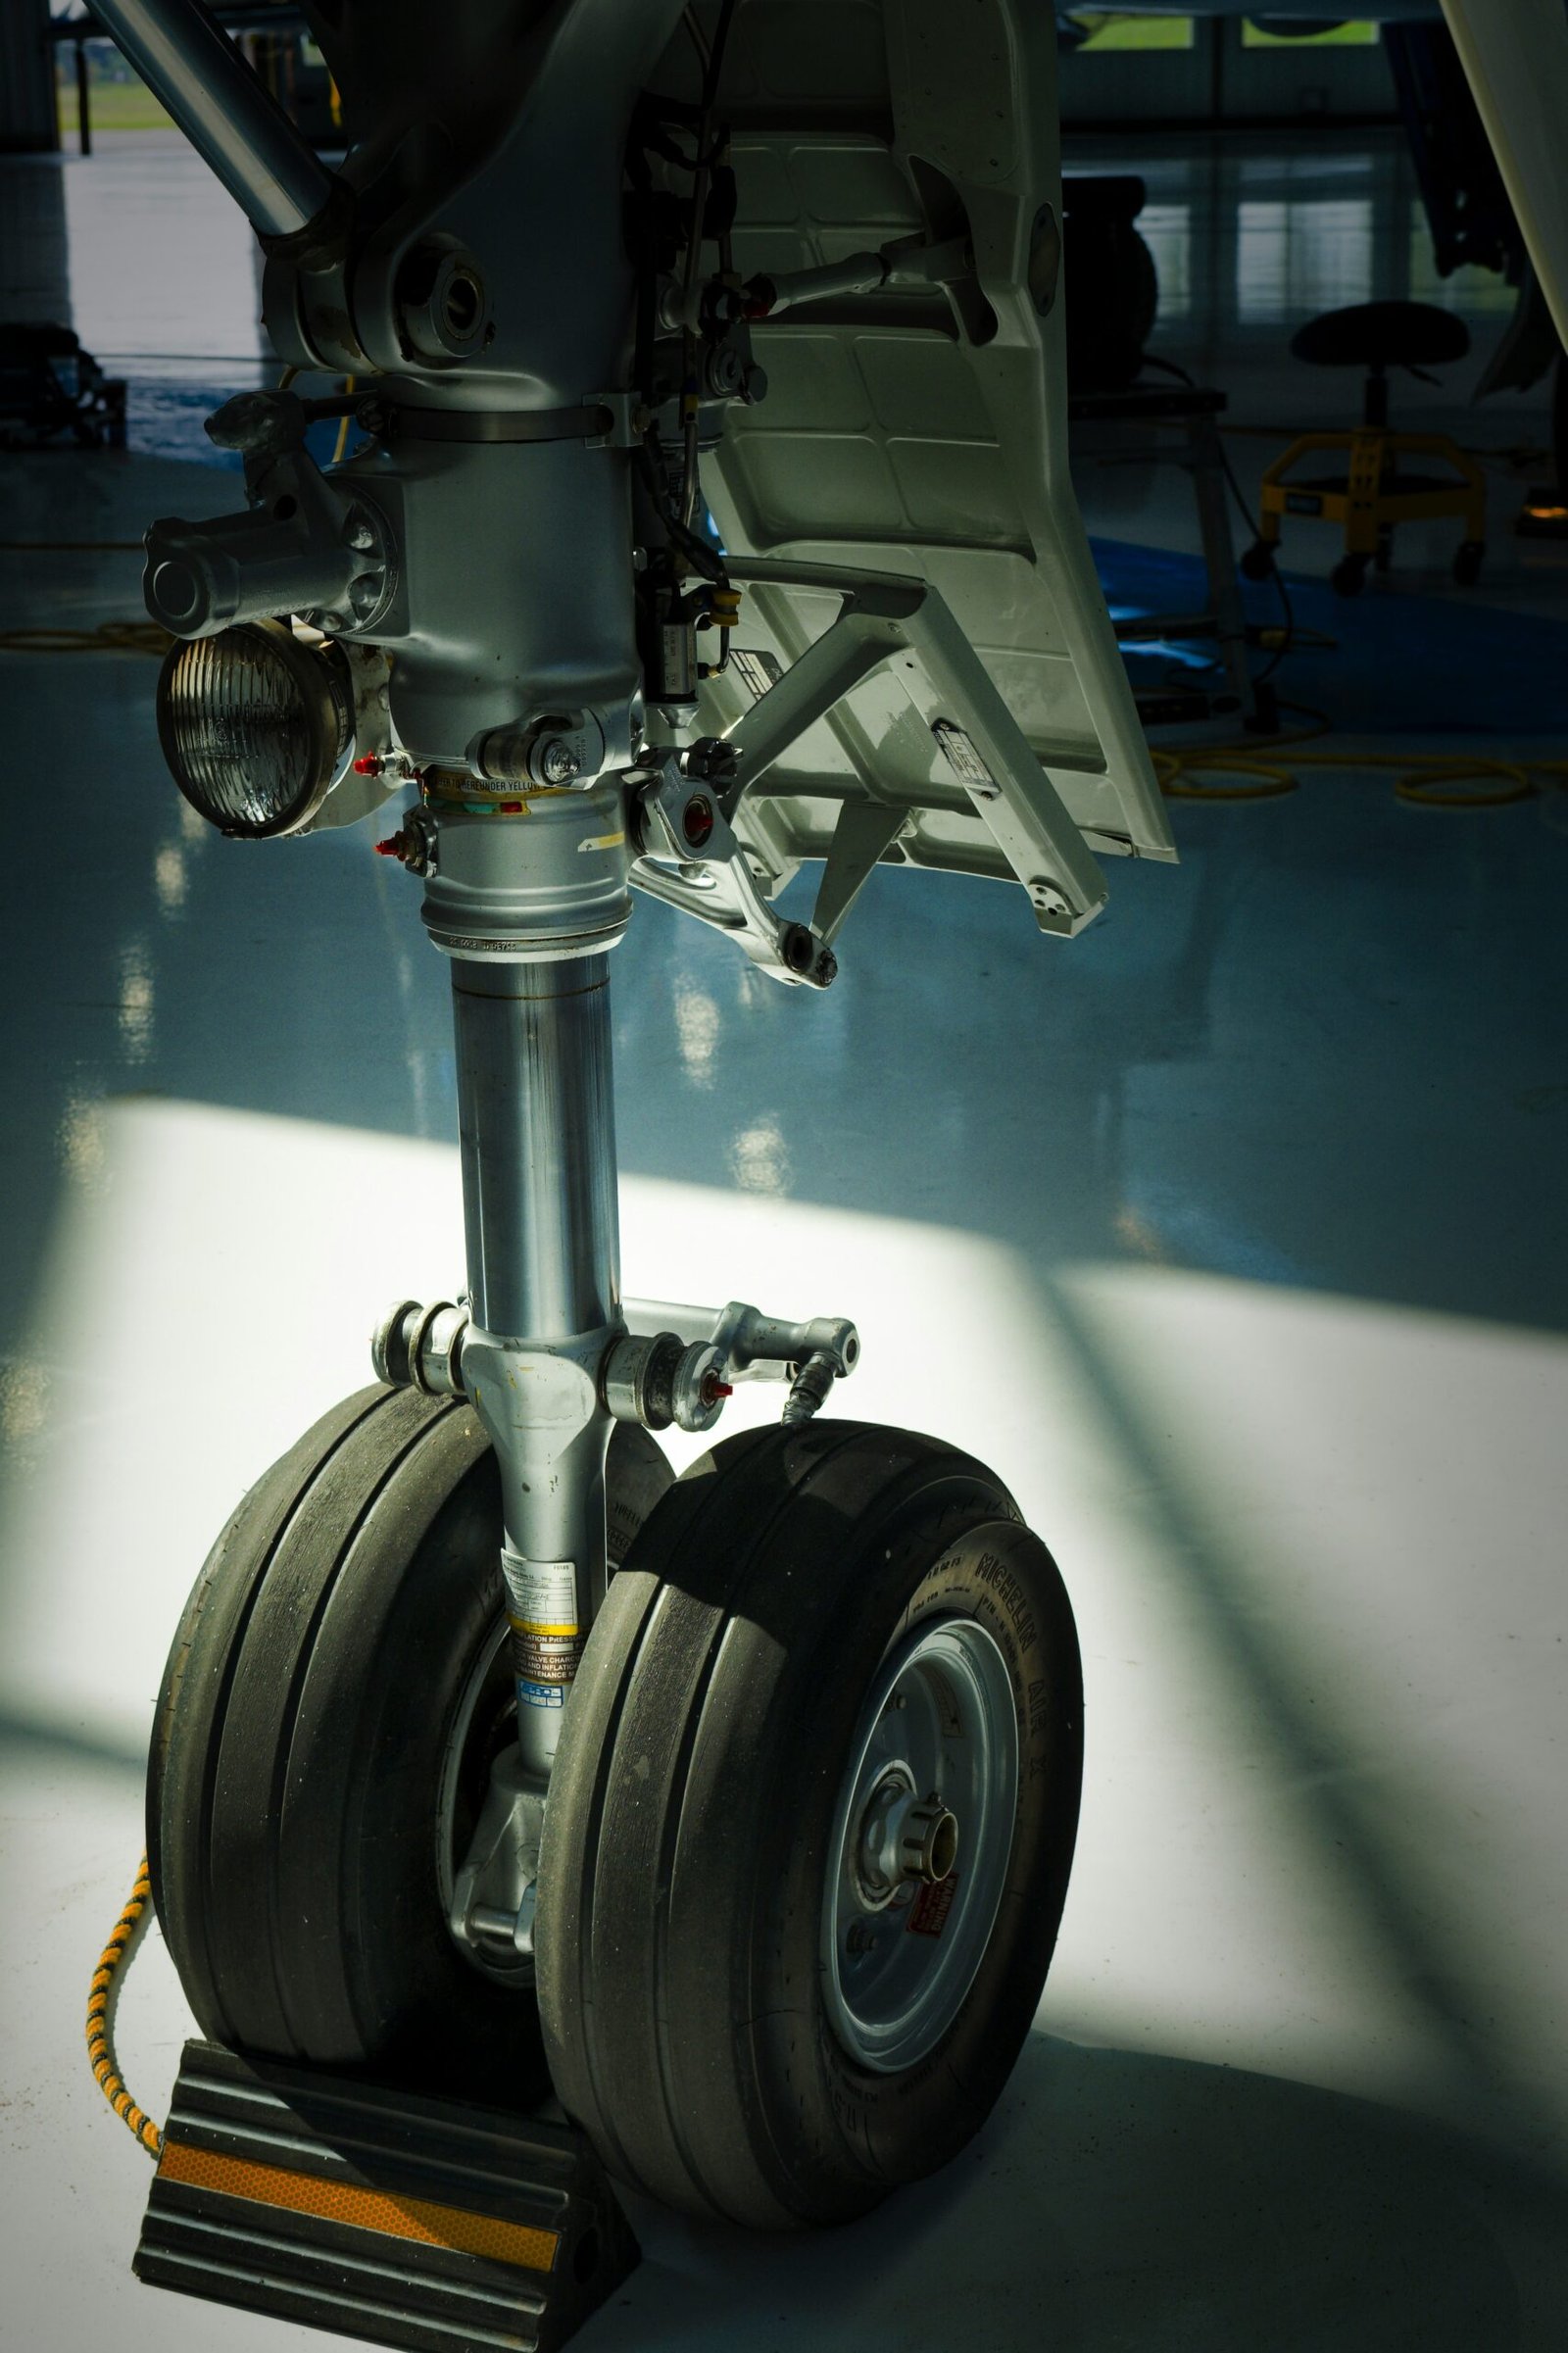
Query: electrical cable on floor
[(1425, 780), (105, 1979), (109, 637)]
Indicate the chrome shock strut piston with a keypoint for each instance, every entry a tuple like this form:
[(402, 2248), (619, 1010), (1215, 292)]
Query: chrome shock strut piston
[(527, 898)]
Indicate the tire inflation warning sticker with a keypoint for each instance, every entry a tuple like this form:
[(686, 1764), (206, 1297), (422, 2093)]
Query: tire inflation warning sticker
[(928, 1914)]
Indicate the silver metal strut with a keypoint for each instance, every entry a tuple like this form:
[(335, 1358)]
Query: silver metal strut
[(538, 1146), (527, 893), (235, 125)]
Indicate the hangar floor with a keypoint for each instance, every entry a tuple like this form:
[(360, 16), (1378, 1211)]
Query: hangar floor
[(1232, 1235)]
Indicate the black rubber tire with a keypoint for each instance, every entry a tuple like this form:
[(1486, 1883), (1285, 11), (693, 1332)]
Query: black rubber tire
[(1467, 562), (692, 1809), (298, 1747), (1257, 560), (1348, 577)]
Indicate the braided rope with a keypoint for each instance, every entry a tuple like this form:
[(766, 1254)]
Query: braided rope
[(100, 2016)]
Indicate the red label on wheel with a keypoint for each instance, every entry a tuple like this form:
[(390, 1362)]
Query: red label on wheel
[(928, 1914)]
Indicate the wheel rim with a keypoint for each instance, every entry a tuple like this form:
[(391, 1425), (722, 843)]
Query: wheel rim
[(922, 1839)]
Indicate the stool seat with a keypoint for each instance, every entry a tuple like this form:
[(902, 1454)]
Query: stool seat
[(1382, 335)]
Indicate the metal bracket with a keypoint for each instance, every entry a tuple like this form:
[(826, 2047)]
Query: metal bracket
[(697, 864), (623, 430), (308, 544), (887, 620)]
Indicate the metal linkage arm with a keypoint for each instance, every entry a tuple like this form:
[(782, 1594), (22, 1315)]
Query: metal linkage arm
[(691, 859), (234, 124), (749, 1345), (881, 616)]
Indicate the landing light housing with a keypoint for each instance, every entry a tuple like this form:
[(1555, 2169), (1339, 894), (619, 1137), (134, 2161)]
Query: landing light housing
[(255, 725)]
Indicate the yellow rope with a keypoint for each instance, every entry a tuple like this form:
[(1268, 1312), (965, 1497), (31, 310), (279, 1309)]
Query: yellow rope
[(100, 2018)]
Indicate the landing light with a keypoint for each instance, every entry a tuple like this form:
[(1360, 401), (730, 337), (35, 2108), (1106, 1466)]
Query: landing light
[(255, 726)]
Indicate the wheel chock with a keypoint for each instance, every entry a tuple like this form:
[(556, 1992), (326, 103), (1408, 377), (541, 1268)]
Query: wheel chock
[(379, 2213)]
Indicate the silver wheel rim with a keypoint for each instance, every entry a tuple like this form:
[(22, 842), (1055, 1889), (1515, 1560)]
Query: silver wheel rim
[(938, 1737)]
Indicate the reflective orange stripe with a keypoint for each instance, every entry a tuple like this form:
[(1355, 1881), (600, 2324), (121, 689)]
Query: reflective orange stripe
[(435, 2225)]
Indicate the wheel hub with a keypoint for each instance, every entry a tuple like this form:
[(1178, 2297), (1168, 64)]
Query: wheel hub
[(921, 1841), (903, 1837)]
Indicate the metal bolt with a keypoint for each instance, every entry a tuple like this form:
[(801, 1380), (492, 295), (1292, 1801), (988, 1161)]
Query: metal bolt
[(724, 370), (559, 764), (358, 534)]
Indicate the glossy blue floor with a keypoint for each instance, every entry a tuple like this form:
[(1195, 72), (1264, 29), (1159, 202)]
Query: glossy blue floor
[(1232, 1234)]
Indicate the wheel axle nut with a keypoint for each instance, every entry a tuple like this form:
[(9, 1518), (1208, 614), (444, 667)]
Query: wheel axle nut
[(904, 1838), (928, 1841)]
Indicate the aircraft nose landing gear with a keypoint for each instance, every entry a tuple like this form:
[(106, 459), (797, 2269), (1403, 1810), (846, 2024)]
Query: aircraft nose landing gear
[(736, 1810)]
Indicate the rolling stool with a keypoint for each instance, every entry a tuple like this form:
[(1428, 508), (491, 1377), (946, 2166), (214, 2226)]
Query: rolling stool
[(1373, 496)]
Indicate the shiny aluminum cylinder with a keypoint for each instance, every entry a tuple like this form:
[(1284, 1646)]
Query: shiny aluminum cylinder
[(228, 117), (537, 1122)]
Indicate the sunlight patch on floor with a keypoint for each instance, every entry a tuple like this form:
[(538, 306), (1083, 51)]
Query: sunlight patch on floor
[(1310, 1542)]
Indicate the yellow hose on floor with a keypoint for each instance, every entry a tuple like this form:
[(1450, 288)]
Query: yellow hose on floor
[(110, 637), (100, 2016), (1427, 780)]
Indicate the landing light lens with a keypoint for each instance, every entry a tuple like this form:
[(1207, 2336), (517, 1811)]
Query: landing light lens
[(255, 726)]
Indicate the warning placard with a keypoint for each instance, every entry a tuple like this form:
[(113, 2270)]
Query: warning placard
[(928, 1914)]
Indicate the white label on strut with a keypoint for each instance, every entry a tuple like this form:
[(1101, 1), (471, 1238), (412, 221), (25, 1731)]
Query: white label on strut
[(543, 1594)]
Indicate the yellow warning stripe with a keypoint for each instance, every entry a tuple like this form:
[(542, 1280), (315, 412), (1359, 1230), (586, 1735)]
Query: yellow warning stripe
[(563, 1632), (422, 2219)]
